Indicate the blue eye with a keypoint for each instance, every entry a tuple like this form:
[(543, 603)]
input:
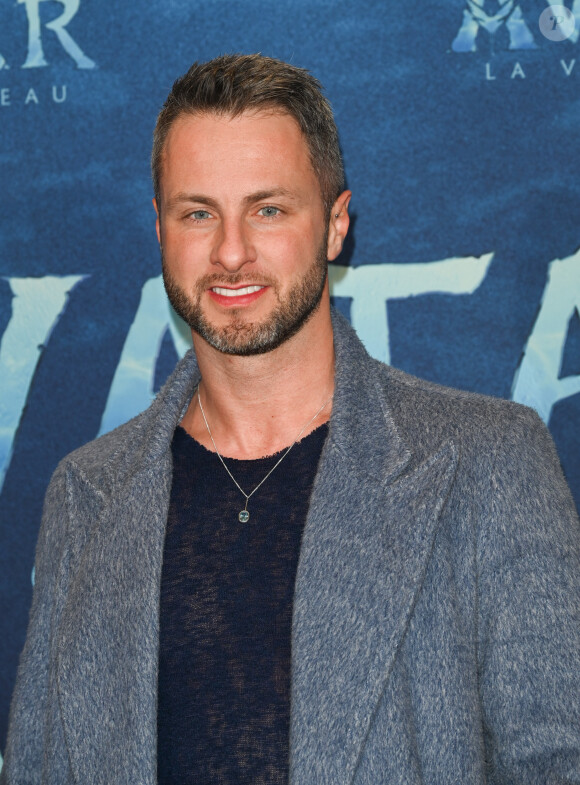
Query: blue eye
[(269, 212), (200, 215)]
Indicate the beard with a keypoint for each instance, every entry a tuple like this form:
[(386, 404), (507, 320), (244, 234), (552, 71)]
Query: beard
[(240, 336)]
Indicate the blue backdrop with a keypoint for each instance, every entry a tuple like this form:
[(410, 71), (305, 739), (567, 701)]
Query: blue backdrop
[(459, 124)]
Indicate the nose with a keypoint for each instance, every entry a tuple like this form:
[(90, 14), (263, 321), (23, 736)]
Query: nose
[(233, 247)]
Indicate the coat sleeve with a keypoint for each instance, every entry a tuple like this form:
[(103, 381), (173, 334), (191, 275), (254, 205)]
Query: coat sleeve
[(529, 613), (28, 720)]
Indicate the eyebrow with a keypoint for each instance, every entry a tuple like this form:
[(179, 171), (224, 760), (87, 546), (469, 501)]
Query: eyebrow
[(257, 196)]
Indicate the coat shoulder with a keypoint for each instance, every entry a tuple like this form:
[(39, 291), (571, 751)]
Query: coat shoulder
[(417, 404), (143, 439), (97, 456)]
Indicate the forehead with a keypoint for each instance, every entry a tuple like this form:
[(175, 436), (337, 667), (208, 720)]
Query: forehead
[(246, 149)]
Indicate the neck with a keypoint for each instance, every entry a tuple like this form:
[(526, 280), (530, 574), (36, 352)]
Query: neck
[(256, 406)]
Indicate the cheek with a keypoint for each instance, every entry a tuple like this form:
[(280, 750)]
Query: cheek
[(182, 254), (293, 251)]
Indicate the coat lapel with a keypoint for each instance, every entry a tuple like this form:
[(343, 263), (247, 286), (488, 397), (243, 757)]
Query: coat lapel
[(109, 631), (367, 541)]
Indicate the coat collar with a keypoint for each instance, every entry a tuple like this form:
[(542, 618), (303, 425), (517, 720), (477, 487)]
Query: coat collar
[(367, 540), (362, 428)]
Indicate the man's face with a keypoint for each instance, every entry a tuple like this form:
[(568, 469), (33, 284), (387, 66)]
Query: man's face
[(242, 229)]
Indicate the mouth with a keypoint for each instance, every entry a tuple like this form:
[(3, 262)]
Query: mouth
[(243, 290), (230, 296)]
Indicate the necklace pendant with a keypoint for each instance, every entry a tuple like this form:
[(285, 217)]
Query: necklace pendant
[(243, 516)]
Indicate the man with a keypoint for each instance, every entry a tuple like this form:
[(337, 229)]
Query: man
[(299, 564)]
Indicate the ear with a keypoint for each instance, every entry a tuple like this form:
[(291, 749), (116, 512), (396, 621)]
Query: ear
[(157, 221), (338, 225)]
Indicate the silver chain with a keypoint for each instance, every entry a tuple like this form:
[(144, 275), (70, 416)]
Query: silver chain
[(245, 517)]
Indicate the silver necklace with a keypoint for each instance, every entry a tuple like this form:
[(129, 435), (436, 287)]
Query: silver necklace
[(244, 515)]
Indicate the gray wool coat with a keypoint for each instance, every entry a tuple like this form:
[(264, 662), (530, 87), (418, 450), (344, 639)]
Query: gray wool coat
[(436, 629)]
